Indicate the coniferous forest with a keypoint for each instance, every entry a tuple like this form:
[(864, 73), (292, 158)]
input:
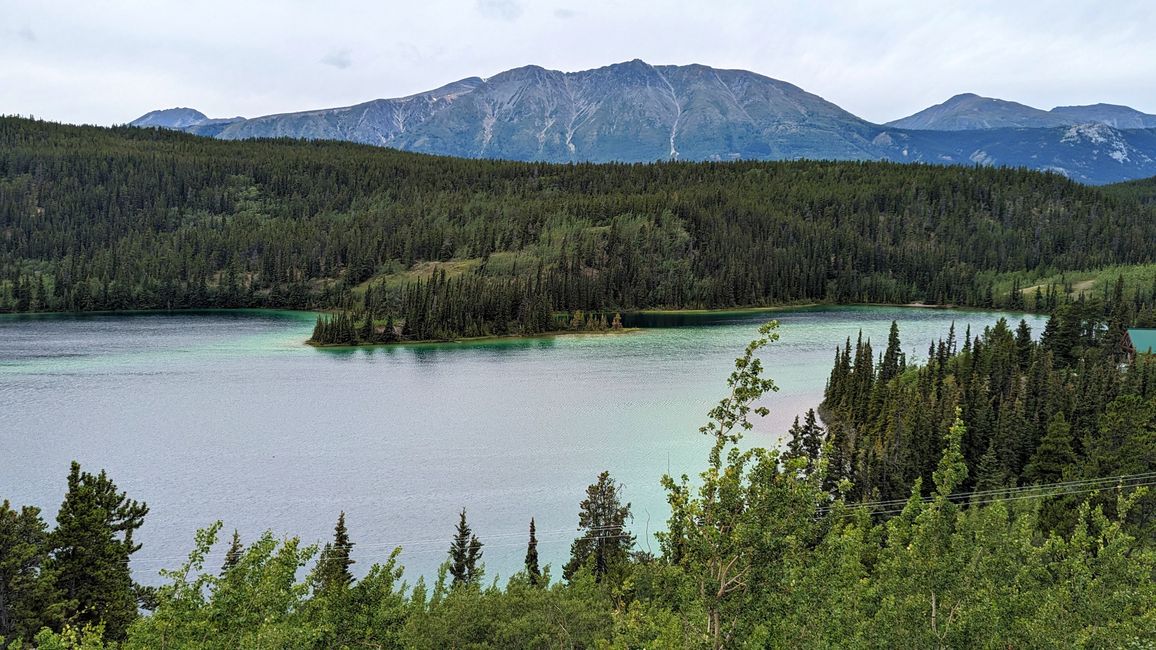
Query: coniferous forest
[(122, 218), (992, 494)]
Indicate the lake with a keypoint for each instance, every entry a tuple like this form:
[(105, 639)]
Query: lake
[(228, 415)]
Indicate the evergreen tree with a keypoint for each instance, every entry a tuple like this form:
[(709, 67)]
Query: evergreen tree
[(1024, 343), (91, 547), (533, 571), (889, 367), (25, 589), (389, 334), (806, 441), (465, 554), (367, 333), (1053, 454), (332, 574), (990, 472), (233, 555), (604, 544), (794, 442)]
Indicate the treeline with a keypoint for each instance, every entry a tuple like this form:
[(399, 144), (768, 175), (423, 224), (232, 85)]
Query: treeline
[(122, 218), (449, 308), (758, 552)]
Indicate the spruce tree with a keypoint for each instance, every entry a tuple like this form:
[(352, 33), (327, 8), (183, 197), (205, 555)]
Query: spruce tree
[(389, 334), (1053, 454), (889, 367), (795, 442), (91, 547), (990, 471), (812, 439), (332, 574), (1024, 344), (533, 571), (25, 589), (233, 555), (367, 334), (465, 553), (604, 545)]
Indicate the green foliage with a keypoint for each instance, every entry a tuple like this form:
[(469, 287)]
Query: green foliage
[(603, 546), (91, 547), (757, 553), (465, 555), (26, 592), (533, 571), (1067, 407), (88, 637), (332, 574), (108, 219), (257, 603)]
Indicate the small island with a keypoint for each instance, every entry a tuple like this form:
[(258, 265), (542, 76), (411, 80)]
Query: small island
[(346, 328)]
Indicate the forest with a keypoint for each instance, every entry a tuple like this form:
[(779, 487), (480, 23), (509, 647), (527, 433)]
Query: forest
[(121, 218), (995, 496)]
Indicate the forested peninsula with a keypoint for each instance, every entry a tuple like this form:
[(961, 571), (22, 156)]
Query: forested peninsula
[(401, 246)]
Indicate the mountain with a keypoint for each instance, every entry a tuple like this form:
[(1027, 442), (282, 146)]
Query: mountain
[(376, 122), (1120, 117), (1090, 153), (186, 119), (637, 112), (630, 111), (968, 112), (171, 118)]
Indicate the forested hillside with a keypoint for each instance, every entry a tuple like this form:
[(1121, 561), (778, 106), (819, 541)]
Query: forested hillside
[(1069, 406), (122, 218)]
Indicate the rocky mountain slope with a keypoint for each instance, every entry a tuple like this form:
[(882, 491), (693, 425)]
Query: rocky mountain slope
[(637, 112)]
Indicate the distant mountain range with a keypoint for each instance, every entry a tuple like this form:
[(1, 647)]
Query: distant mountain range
[(637, 112), (968, 112)]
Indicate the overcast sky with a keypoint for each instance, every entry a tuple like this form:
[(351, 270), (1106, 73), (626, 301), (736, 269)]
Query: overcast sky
[(107, 62)]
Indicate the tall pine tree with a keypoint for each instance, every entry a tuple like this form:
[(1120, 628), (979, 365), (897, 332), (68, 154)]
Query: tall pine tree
[(92, 544), (332, 574), (533, 571), (465, 554), (604, 545)]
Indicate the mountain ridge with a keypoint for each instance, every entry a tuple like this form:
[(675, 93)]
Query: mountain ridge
[(970, 112), (637, 112)]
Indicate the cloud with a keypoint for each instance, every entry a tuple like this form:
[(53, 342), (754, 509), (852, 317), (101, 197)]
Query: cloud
[(339, 59), (879, 59), (500, 9)]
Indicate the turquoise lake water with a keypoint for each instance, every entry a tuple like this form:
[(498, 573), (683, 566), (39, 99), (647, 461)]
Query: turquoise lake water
[(228, 415)]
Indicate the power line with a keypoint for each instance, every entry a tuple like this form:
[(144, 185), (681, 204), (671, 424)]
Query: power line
[(1009, 494), (890, 507), (1010, 490)]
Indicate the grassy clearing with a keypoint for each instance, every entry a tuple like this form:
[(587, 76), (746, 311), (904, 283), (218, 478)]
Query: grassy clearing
[(1092, 283)]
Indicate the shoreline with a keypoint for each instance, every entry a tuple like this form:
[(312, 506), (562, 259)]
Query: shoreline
[(659, 312), (811, 305), (308, 314), (474, 339)]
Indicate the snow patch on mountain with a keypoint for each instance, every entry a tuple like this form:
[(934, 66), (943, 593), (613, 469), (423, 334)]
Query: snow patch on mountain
[(981, 157)]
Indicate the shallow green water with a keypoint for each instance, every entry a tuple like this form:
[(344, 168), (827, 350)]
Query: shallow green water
[(227, 415)]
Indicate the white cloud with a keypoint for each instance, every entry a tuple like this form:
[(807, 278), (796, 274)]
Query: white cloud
[(339, 59), (881, 59)]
